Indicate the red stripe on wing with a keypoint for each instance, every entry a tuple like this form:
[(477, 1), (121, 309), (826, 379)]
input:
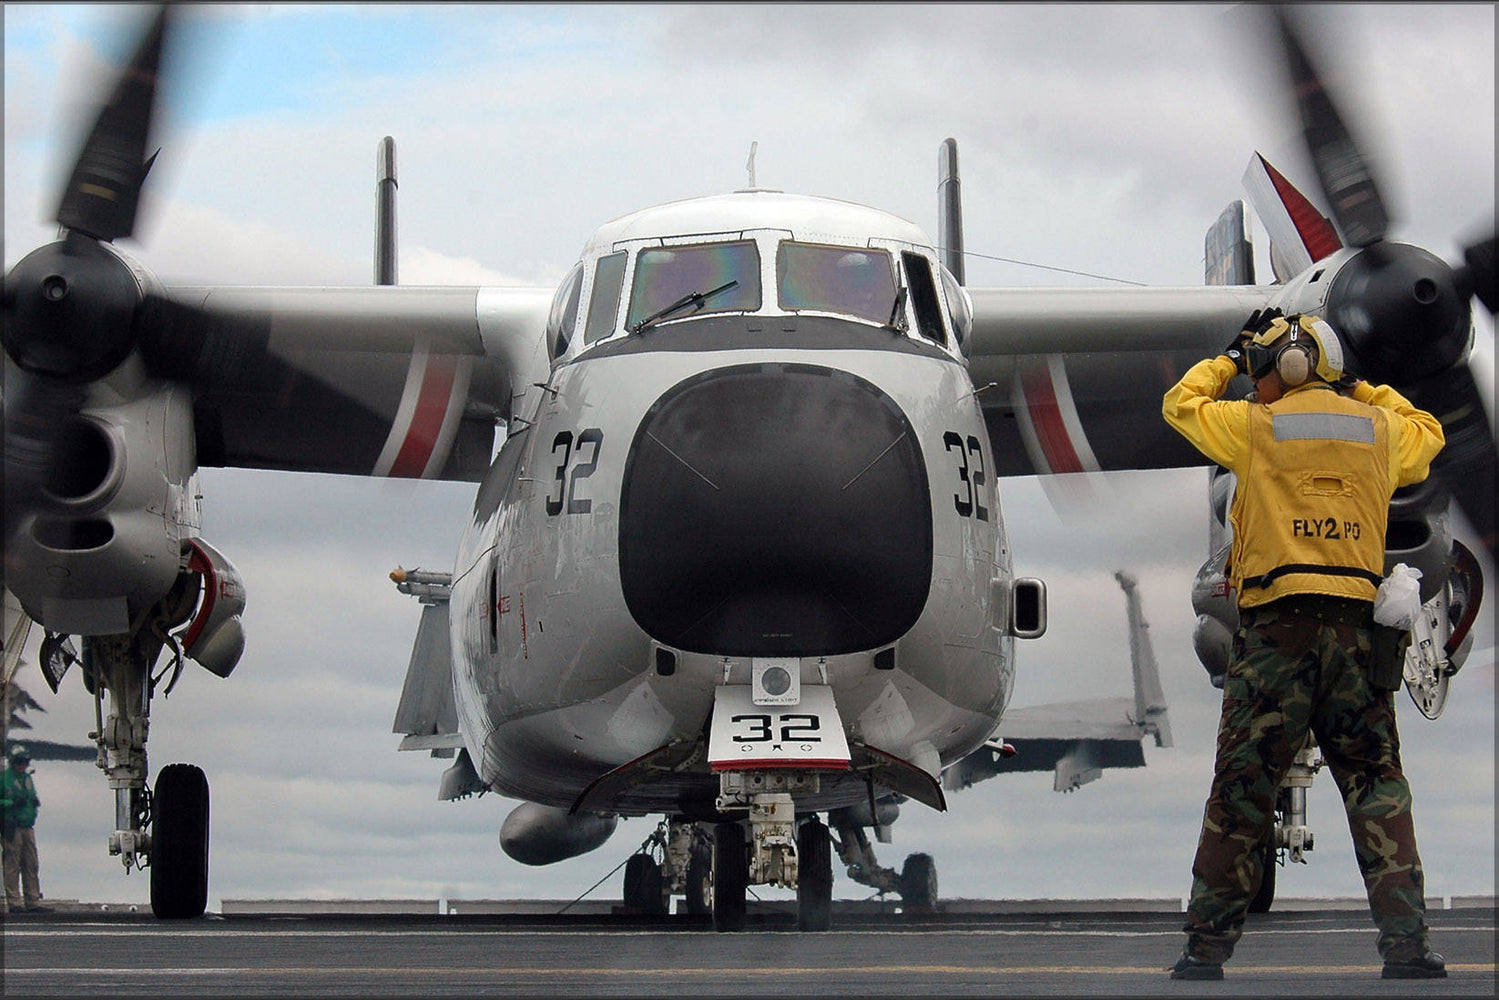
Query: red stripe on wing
[(1046, 418), (427, 419)]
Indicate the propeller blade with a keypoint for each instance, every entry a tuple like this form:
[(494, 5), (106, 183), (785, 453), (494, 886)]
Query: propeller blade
[(1466, 464), (1477, 277), (102, 194), (37, 413), (1342, 169)]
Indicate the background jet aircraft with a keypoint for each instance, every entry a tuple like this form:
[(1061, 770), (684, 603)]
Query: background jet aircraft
[(1078, 740)]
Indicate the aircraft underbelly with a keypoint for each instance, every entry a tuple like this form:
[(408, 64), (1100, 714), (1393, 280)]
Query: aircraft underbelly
[(559, 681)]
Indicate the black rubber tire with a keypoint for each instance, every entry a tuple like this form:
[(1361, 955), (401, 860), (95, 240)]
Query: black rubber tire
[(1265, 895), (730, 876), (179, 843), (643, 888), (918, 882), (699, 900), (814, 884)]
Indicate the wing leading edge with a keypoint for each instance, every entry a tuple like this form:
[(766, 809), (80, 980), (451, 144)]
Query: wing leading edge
[(1077, 375), (399, 381)]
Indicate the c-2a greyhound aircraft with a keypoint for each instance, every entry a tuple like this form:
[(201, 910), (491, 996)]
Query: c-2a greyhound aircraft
[(740, 559)]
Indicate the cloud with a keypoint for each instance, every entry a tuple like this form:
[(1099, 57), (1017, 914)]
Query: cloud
[(1098, 138)]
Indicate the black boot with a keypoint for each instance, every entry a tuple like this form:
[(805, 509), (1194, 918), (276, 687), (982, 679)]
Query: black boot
[(1427, 965), (1188, 967)]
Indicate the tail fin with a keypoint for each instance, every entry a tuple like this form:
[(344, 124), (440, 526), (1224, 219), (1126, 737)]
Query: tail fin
[(1150, 699), (1300, 235)]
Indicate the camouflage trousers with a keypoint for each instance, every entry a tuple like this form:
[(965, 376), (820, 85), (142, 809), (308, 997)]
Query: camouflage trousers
[(1292, 673)]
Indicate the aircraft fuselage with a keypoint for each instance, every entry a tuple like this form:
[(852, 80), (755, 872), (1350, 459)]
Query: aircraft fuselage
[(721, 487)]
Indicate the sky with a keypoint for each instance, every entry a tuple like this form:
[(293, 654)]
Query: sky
[(1101, 139)]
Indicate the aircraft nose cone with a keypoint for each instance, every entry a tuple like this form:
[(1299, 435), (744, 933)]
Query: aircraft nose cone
[(775, 510)]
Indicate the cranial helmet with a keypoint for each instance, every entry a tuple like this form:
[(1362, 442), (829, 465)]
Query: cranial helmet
[(19, 754), (1298, 348)]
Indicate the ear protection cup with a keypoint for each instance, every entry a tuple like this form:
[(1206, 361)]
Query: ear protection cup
[(1294, 365), (1298, 348)]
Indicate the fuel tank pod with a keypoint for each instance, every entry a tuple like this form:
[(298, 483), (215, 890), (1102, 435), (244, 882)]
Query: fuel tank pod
[(535, 834)]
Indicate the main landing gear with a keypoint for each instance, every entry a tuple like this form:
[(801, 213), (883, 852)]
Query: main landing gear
[(165, 831), (179, 843), (1290, 837), (675, 860)]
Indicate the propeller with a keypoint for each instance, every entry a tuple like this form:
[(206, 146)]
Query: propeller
[(1403, 313), (73, 308)]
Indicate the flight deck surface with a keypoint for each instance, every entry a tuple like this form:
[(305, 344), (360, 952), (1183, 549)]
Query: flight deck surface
[(1076, 949)]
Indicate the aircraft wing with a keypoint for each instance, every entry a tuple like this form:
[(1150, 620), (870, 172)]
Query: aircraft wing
[(409, 381), (399, 381), (1078, 740), (1071, 379)]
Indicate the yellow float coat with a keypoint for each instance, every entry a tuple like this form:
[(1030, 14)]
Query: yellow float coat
[(1315, 471)]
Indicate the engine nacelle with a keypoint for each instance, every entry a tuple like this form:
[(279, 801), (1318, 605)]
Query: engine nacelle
[(535, 834), (1396, 308), (112, 535)]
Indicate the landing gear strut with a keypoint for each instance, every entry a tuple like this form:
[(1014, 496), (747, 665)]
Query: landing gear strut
[(771, 847), (166, 831), (1290, 837)]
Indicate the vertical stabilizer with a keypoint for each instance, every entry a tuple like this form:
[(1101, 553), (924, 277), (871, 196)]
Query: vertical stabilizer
[(1150, 699), (1300, 235)]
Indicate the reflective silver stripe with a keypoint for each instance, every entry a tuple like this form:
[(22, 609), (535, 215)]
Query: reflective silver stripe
[(1323, 426)]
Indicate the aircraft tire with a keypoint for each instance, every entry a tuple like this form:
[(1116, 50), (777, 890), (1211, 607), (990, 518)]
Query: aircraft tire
[(643, 888), (730, 877), (918, 882), (814, 885), (179, 843), (1265, 895), (699, 901)]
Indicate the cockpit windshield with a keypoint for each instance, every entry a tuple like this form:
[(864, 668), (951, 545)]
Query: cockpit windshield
[(673, 282), (834, 279)]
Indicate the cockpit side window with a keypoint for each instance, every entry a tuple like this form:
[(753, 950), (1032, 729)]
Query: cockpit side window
[(564, 315), (712, 277), (924, 296), (850, 280), (603, 301)]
